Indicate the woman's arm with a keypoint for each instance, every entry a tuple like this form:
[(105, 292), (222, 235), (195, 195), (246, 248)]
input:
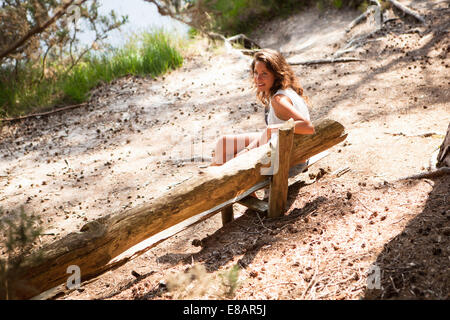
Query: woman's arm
[(284, 110), (282, 106)]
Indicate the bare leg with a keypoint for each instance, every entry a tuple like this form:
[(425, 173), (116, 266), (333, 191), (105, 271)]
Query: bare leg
[(229, 145)]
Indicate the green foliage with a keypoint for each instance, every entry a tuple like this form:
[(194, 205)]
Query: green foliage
[(337, 3), (363, 6), (53, 30), (19, 234), (196, 283), (230, 280), (193, 33), (241, 16), (156, 56), (21, 90), (151, 53)]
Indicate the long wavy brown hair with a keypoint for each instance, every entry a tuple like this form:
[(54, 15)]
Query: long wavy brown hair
[(284, 75)]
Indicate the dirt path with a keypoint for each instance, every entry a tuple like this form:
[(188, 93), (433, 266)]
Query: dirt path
[(118, 152)]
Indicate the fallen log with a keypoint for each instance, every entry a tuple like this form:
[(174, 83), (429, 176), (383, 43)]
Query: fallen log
[(36, 115), (245, 41), (378, 16), (358, 20), (407, 10), (323, 61), (101, 240)]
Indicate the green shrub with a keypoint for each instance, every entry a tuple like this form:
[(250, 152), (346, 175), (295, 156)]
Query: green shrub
[(18, 236), (197, 283), (230, 280), (337, 3), (241, 16), (153, 54), (24, 90), (193, 33)]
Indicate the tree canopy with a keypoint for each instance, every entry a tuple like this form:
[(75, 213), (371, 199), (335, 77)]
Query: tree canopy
[(31, 30)]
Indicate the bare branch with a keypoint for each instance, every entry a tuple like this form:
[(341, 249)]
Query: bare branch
[(322, 61), (407, 10)]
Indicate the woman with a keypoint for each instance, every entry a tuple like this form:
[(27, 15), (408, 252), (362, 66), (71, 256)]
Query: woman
[(279, 89)]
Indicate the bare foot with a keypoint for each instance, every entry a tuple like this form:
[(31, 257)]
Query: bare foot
[(213, 164)]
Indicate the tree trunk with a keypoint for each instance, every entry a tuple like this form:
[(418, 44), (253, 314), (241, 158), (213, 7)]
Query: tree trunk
[(99, 241)]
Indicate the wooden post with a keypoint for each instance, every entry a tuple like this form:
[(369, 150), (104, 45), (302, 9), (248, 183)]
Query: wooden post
[(227, 215), (279, 182)]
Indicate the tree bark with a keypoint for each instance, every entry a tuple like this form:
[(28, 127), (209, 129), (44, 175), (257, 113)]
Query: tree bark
[(99, 241), (443, 158)]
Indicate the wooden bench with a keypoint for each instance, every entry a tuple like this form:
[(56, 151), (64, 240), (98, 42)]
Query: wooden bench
[(262, 206), (119, 236), (278, 183)]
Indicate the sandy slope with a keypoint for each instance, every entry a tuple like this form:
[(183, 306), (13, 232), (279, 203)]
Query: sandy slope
[(117, 153)]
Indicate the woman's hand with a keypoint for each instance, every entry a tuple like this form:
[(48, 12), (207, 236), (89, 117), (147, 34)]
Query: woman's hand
[(246, 149), (272, 129)]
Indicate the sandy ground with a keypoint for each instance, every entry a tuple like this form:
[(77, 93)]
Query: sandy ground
[(125, 148)]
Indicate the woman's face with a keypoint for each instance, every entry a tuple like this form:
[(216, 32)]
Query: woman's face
[(263, 78)]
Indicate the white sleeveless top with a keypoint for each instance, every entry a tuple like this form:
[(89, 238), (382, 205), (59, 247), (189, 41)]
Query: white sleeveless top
[(297, 101)]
